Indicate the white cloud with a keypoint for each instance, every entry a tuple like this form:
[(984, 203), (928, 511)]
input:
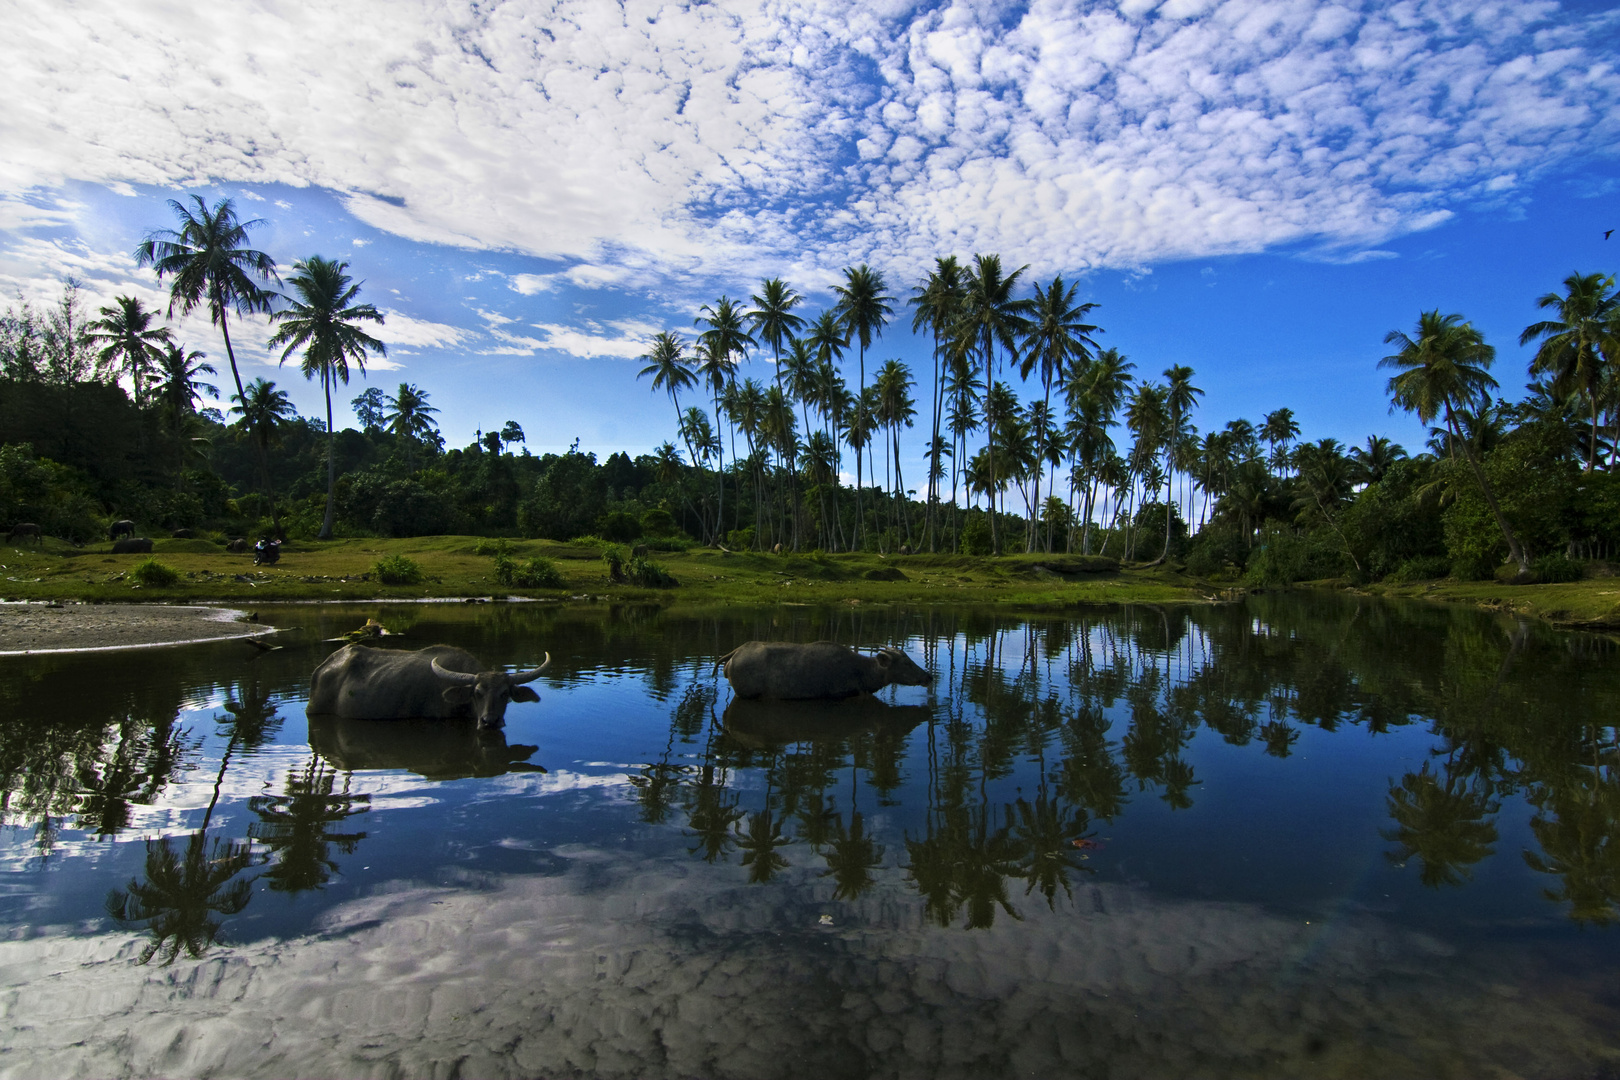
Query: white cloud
[(628, 341), (401, 329), (644, 139)]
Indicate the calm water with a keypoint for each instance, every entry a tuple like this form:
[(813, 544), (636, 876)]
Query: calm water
[(1298, 836)]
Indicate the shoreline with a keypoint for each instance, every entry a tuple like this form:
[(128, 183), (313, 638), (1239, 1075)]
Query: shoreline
[(53, 628)]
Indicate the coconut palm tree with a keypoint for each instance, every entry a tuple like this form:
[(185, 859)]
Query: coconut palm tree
[(1444, 369), (209, 263), (937, 302), (179, 387), (772, 317), (130, 344), (722, 338), (670, 370), (409, 419), (1058, 338), (1372, 463), (1279, 429), (263, 409), (1581, 344), (321, 320), (990, 316), (1181, 395), (896, 408), (862, 310)]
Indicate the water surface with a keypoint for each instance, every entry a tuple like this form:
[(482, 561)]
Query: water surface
[(1295, 835)]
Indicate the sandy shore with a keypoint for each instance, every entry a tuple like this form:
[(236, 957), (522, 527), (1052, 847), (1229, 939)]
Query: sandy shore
[(40, 628)]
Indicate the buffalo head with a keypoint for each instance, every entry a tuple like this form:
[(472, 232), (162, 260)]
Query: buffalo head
[(901, 669), (489, 691)]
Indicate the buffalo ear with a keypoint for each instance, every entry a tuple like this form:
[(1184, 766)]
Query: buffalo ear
[(458, 695), (884, 658), (524, 693)]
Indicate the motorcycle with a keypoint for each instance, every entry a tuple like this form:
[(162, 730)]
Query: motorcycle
[(266, 552)]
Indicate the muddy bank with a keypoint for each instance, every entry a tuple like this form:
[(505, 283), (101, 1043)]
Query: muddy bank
[(36, 628)]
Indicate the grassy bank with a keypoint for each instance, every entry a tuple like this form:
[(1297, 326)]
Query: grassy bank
[(463, 566), (1593, 603)]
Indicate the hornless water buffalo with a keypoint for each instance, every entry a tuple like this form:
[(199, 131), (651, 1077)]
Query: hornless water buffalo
[(363, 683), (132, 545), (121, 528), (183, 534), (238, 545), (24, 529), (824, 669)]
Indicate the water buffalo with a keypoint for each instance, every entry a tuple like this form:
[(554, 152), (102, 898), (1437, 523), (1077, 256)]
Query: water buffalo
[(183, 534), (237, 546), (132, 545), (824, 669), (24, 529), (364, 683), (434, 749), (121, 528)]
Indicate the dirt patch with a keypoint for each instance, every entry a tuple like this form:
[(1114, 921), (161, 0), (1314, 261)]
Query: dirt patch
[(35, 628)]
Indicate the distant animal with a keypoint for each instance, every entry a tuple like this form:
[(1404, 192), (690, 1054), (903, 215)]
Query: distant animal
[(640, 551), (132, 545), (364, 683), (121, 528), (776, 549), (183, 534), (824, 669), (905, 549), (1608, 234), (24, 529), (237, 545)]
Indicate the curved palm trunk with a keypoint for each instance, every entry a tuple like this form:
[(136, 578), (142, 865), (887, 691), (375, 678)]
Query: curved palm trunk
[(990, 439)]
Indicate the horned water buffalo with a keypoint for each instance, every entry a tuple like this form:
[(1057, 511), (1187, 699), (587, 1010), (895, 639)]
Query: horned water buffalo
[(824, 669), (364, 683), (121, 528), (133, 545), (24, 529)]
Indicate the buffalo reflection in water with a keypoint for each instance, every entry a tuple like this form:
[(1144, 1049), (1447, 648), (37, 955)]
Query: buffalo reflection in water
[(433, 749), (759, 725)]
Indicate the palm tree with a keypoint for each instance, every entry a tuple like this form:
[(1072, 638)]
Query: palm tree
[(1059, 337), (1443, 370), (321, 320), (990, 316), (1373, 462), (263, 409), (131, 345), (722, 337), (1580, 344), (772, 317), (1279, 429), (671, 372), (209, 263), (410, 418), (938, 303), (895, 408), (1181, 396), (178, 386), (862, 310)]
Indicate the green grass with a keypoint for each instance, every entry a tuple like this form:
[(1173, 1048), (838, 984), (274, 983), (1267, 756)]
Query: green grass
[(1592, 603), (461, 566)]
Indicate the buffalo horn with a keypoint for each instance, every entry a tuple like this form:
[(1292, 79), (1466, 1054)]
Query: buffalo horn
[(521, 677), (452, 676)]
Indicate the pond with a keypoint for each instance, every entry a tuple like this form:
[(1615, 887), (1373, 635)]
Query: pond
[(1295, 835)]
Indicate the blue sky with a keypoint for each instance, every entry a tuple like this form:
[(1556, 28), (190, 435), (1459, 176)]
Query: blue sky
[(1260, 190)]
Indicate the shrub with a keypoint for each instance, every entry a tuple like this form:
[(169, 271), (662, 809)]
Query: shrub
[(649, 575), (538, 573), (153, 574), (614, 557), (1426, 568), (741, 539), (885, 573), (1473, 566), (976, 535), (397, 570), (1555, 569)]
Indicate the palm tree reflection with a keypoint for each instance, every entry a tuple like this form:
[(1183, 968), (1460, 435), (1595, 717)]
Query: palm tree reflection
[(298, 826), (183, 892), (1442, 823)]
